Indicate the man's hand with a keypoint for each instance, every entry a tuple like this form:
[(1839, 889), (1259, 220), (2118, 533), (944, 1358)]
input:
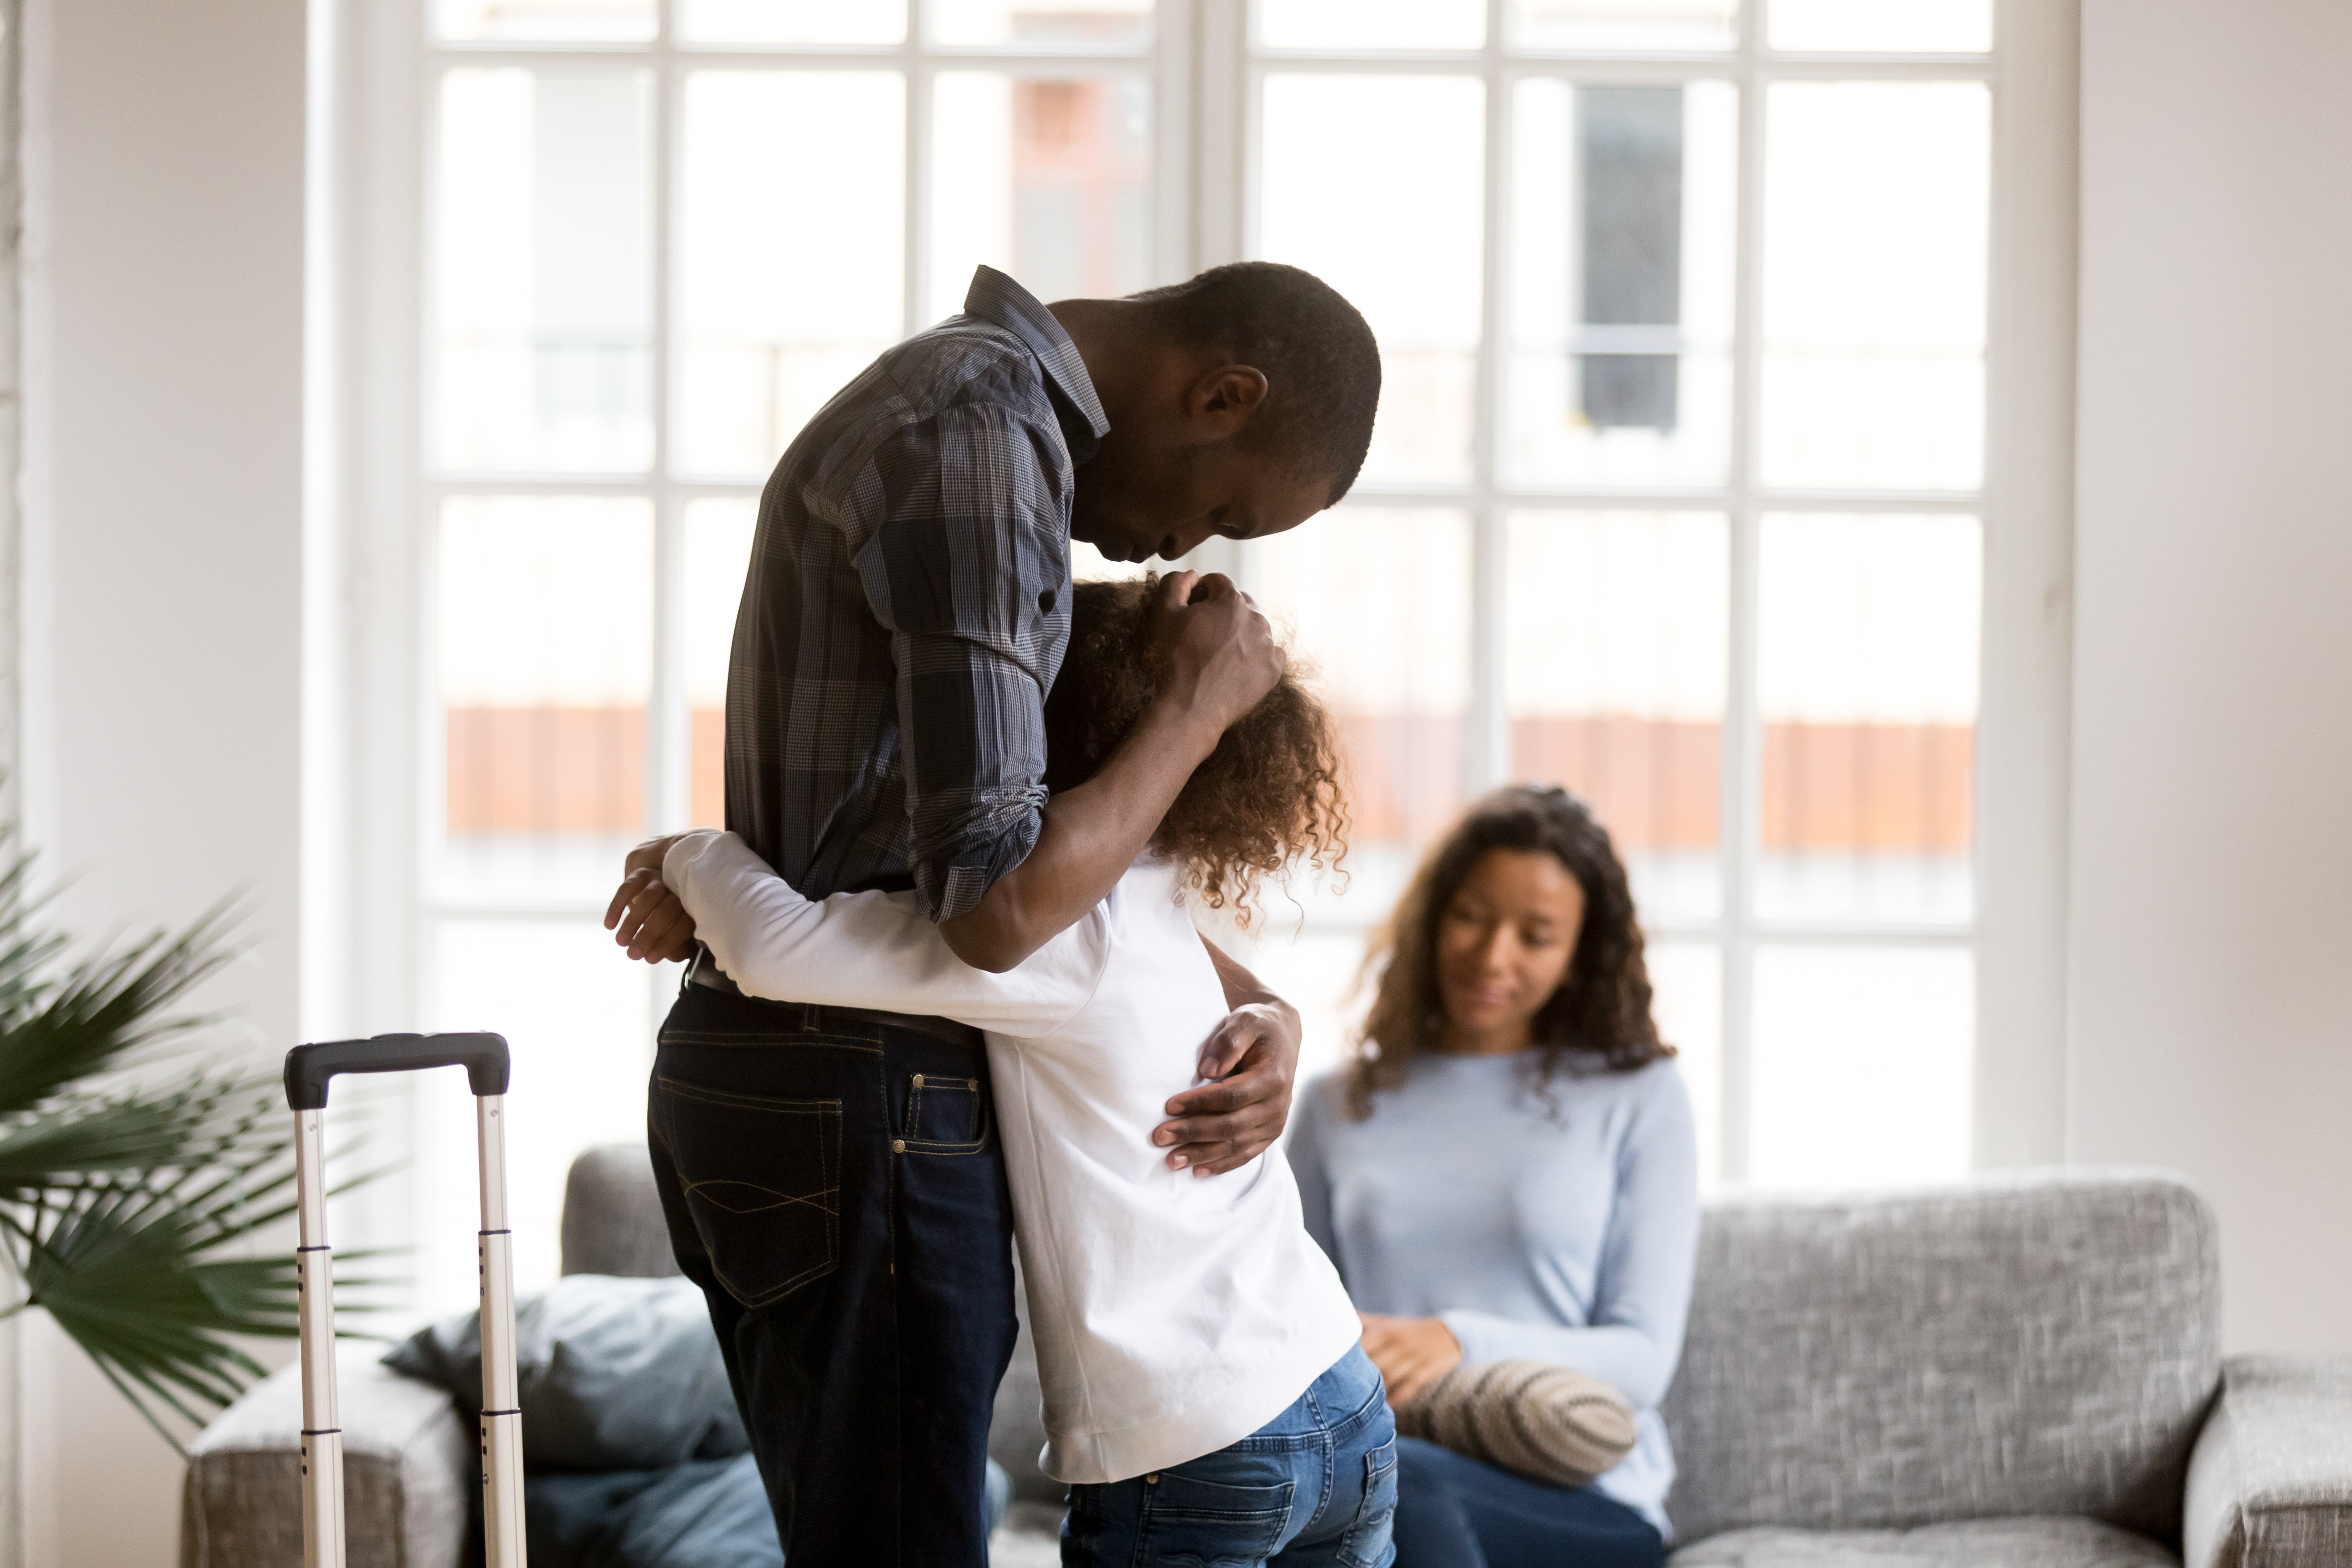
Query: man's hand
[(1411, 1353), (1212, 654), (644, 916), (1253, 1061), (1212, 658)]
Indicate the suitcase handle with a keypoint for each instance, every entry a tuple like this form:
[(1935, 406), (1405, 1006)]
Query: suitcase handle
[(308, 1068)]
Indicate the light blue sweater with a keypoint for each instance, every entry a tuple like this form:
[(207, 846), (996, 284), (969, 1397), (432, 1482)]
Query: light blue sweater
[(1564, 1233)]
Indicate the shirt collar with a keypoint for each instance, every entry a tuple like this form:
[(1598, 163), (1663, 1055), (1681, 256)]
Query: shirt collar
[(995, 298)]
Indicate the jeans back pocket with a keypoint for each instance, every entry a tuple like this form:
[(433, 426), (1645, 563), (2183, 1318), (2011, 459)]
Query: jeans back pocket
[(762, 1182), (945, 1115), (1189, 1523), (1367, 1543)]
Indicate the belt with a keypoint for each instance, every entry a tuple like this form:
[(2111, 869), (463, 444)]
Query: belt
[(817, 1018)]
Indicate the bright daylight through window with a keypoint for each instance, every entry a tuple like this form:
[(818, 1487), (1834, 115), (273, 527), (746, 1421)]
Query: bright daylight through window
[(1676, 496)]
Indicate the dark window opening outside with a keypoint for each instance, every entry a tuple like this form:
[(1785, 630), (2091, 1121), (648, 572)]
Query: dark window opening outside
[(1630, 165)]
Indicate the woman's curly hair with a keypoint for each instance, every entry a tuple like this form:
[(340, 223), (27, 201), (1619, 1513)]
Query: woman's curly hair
[(1603, 1007), (1267, 797)]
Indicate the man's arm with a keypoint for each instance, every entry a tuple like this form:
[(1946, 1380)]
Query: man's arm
[(1215, 656), (1252, 1063)]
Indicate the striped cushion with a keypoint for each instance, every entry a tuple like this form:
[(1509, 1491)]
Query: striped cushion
[(1528, 1417)]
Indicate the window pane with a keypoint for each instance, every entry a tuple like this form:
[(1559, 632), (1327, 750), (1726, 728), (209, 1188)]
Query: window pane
[(579, 1019), (1044, 23), (544, 293), (1614, 678), (545, 21), (1896, 26), (1625, 23), (1049, 181), (1687, 980), (792, 261), (1623, 201), (1371, 23), (718, 555), (546, 654), (1866, 671), (1860, 1071), (1378, 602), (1374, 184), (793, 21), (1875, 201)]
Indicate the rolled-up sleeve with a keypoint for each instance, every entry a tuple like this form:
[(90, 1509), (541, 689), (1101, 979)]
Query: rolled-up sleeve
[(967, 571)]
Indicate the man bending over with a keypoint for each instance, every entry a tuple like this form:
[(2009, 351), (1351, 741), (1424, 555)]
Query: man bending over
[(831, 1177)]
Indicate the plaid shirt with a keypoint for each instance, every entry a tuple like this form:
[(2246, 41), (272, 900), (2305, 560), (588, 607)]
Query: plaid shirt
[(906, 610)]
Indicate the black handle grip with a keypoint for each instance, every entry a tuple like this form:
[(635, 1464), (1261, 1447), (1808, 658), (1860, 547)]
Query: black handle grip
[(308, 1068)]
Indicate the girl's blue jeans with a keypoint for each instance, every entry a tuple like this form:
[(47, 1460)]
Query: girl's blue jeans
[(1314, 1486)]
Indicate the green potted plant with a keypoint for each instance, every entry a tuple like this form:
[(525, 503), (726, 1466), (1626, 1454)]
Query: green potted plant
[(137, 1167)]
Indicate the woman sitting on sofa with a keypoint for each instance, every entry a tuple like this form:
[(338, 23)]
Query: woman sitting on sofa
[(1507, 1172)]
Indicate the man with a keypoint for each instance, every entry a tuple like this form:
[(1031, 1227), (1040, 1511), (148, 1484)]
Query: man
[(832, 1178)]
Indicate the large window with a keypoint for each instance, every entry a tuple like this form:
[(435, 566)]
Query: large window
[(658, 238), (1678, 495), (1677, 500)]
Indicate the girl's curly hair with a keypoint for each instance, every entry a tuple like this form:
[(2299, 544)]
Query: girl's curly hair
[(1602, 1008), (1269, 795)]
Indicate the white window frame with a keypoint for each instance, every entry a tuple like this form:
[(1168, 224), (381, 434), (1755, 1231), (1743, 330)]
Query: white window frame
[(2023, 505), (373, 754)]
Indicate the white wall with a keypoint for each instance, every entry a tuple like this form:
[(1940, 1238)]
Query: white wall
[(2211, 927), (163, 489)]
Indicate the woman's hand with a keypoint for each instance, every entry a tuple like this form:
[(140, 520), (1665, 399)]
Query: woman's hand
[(644, 916), (1411, 1353)]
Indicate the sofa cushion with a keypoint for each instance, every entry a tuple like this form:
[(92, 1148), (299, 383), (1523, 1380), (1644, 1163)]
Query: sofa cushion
[(615, 1374), (408, 1474), (613, 1215), (2043, 1343), (1971, 1544)]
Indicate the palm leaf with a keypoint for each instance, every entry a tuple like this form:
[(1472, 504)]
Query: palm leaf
[(125, 1202), (125, 1285), (24, 956), (79, 1132), (104, 1010), (132, 1272)]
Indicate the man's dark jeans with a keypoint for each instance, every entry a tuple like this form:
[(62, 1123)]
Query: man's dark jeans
[(836, 1187)]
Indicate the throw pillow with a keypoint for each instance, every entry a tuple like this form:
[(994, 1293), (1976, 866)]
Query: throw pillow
[(1533, 1419), (708, 1515), (615, 1374)]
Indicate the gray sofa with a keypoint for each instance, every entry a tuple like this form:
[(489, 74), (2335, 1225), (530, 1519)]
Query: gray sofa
[(2019, 1372)]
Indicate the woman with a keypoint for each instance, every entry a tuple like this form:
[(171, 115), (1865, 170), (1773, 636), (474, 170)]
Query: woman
[(1508, 1170)]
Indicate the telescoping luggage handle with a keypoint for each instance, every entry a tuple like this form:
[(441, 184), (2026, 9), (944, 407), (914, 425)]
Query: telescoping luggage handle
[(309, 1071)]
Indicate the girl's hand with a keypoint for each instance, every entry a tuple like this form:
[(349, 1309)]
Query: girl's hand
[(645, 917), (1411, 1353)]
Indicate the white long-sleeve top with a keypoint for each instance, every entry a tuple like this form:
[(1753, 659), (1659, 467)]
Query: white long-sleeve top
[(1173, 1314)]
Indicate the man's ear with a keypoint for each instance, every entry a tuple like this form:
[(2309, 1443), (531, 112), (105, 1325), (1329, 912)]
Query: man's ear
[(1227, 396)]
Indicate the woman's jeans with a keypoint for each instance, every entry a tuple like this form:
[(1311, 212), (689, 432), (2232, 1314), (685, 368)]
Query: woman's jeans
[(1316, 1485), (1455, 1512)]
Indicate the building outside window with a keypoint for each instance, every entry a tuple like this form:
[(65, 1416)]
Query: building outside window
[(1679, 496)]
